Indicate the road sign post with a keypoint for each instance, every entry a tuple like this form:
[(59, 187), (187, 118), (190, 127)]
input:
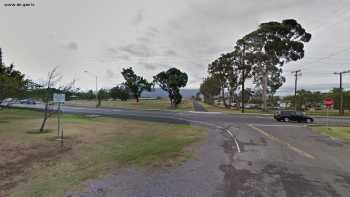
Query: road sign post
[(328, 102), (59, 99)]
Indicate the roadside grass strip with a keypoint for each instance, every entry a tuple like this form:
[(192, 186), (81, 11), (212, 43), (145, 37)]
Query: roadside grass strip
[(273, 138), (342, 133), (33, 163), (161, 104)]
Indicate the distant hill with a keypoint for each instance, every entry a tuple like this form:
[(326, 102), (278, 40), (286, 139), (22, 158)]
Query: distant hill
[(186, 93)]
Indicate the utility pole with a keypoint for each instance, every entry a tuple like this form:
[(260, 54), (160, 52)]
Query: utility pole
[(85, 71), (341, 99), (296, 74)]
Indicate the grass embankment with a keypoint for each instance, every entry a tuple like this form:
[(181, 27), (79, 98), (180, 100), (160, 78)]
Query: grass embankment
[(162, 104), (342, 133), (33, 164)]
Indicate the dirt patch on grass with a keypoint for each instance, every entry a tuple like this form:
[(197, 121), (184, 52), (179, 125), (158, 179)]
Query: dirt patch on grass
[(17, 159)]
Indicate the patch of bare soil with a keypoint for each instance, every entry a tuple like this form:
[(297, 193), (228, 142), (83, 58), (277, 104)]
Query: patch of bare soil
[(17, 159)]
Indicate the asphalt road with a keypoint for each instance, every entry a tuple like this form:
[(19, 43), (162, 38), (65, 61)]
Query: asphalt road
[(271, 159)]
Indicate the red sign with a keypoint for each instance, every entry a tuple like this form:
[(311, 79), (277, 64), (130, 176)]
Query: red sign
[(328, 102)]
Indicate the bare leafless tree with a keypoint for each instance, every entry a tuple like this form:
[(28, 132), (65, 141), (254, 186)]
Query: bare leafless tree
[(52, 79)]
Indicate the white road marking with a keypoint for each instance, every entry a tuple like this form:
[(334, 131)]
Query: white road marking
[(219, 127), (273, 138)]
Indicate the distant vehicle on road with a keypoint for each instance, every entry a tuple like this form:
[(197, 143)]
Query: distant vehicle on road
[(8, 101), (297, 116), (28, 101)]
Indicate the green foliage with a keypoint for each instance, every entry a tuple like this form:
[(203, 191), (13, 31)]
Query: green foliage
[(12, 82), (101, 95), (119, 92), (136, 84), (171, 81), (271, 46), (314, 99), (89, 95), (210, 87), (335, 95), (225, 71)]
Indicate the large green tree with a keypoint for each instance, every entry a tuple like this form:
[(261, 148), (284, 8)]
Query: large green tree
[(224, 71), (171, 81), (136, 84), (210, 88), (12, 82), (271, 46)]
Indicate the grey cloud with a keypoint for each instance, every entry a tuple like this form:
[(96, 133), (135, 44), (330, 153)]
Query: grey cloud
[(117, 54), (124, 57), (138, 50), (153, 65), (110, 74), (138, 18), (144, 39), (150, 67), (113, 50), (71, 46), (152, 32), (170, 52)]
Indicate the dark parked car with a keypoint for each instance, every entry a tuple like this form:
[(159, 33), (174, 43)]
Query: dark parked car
[(297, 116)]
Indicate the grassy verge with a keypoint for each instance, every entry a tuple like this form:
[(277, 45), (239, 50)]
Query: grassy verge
[(162, 104), (33, 164), (324, 113), (342, 133)]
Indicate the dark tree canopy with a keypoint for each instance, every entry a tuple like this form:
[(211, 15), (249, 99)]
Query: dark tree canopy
[(136, 84), (225, 71), (171, 81), (12, 82), (271, 46), (120, 92), (210, 88)]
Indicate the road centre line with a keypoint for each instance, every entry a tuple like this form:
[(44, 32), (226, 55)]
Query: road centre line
[(273, 138)]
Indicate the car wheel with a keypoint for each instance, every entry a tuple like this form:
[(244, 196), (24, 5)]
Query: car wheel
[(309, 121), (286, 119)]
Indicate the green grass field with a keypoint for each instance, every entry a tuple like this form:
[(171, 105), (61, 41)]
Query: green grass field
[(342, 133), (33, 164), (162, 104)]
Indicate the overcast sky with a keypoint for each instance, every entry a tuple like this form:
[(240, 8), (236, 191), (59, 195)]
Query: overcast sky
[(104, 36)]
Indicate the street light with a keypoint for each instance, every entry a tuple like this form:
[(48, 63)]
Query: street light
[(85, 71)]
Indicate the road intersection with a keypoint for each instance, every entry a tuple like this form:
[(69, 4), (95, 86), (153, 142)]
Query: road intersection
[(244, 155)]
